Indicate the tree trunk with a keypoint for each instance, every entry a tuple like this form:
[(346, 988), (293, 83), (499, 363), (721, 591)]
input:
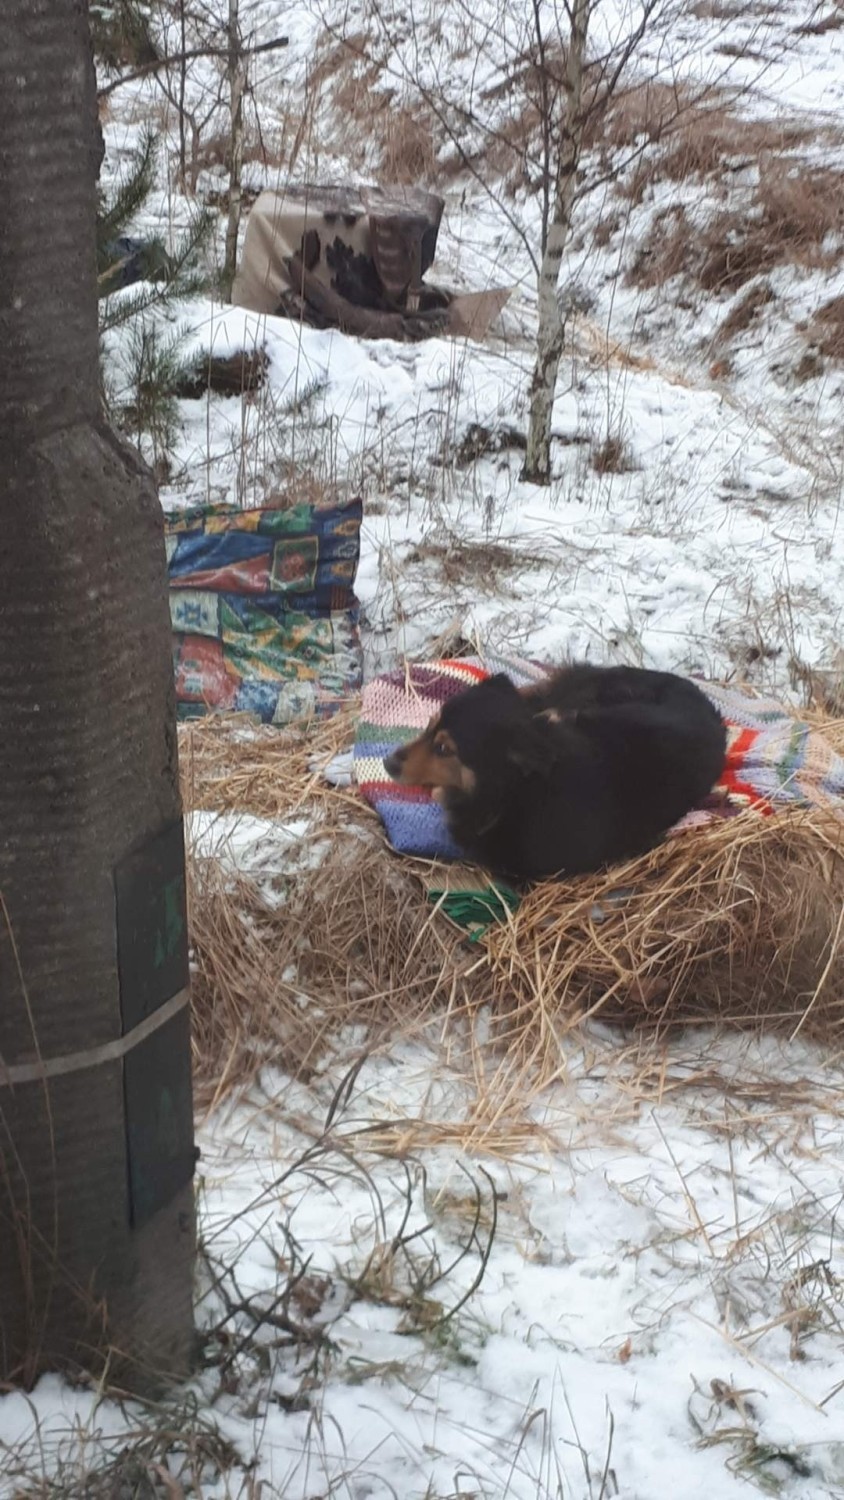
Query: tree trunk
[(96, 1146), (237, 89), (549, 339), (183, 89)]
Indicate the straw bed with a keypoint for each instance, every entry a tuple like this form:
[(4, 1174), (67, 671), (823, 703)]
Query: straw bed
[(352, 944), (740, 923), (736, 922)]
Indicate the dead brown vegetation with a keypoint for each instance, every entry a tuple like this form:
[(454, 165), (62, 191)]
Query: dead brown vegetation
[(338, 55), (481, 565), (686, 134), (620, 122), (651, 112), (820, 25), (665, 251), (711, 136), (613, 456), (731, 10), (809, 366), (406, 143), (739, 923), (649, 132), (399, 140), (827, 330), (352, 943), (794, 217), (745, 312)]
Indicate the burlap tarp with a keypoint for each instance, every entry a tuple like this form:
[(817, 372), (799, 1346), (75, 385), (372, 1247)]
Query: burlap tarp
[(370, 245)]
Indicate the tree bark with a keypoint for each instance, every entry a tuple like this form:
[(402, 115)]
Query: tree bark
[(237, 89), (182, 106), (549, 340), (88, 771)]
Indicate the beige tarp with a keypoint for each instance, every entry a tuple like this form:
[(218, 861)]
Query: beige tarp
[(338, 232)]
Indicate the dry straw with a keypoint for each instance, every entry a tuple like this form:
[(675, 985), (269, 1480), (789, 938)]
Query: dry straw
[(740, 923)]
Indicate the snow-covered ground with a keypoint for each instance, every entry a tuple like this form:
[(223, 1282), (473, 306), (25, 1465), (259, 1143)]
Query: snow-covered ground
[(711, 554), (636, 1286), (632, 1289)]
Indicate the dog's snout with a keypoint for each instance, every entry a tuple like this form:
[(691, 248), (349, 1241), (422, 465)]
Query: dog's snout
[(393, 763)]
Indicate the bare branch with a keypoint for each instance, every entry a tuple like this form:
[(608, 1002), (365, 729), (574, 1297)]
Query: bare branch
[(175, 59)]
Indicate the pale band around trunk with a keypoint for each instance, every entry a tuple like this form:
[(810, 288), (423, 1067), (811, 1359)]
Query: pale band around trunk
[(75, 1062)]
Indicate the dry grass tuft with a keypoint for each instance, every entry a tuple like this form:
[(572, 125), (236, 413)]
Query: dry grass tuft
[(509, 153), (336, 56), (740, 923), (666, 250), (745, 312), (624, 122), (398, 141), (607, 226), (671, 133), (407, 146), (731, 10), (283, 962), (827, 330), (643, 112), (230, 763), (349, 942), (820, 25), (711, 135), (483, 565), (810, 366), (613, 456), (796, 217)]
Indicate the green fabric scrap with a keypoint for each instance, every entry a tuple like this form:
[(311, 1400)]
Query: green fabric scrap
[(477, 910)]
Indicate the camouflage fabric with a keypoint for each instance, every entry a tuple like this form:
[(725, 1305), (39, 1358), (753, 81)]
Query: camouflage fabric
[(264, 614)]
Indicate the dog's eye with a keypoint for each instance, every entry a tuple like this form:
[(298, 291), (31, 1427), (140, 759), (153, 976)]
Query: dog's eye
[(442, 747)]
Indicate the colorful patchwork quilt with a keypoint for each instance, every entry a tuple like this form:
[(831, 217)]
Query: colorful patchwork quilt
[(773, 760), (264, 614)]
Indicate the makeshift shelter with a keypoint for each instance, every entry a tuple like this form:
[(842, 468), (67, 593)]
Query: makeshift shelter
[(355, 259)]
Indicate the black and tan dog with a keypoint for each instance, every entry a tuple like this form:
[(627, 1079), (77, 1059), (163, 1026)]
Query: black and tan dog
[(592, 767)]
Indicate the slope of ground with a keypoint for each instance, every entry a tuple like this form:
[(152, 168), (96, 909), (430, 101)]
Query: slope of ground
[(693, 515)]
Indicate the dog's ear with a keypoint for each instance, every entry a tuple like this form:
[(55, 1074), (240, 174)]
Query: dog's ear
[(528, 750), (501, 683)]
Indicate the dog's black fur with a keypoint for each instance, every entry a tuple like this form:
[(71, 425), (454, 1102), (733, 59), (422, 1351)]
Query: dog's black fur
[(591, 768)]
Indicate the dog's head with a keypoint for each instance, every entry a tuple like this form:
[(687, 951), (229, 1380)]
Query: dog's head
[(487, 729)]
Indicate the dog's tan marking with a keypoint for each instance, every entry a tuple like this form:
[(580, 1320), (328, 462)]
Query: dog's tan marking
[(432, 761)]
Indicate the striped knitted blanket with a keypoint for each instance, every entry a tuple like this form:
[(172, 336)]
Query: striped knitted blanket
[(773, 760), (396, 708)]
